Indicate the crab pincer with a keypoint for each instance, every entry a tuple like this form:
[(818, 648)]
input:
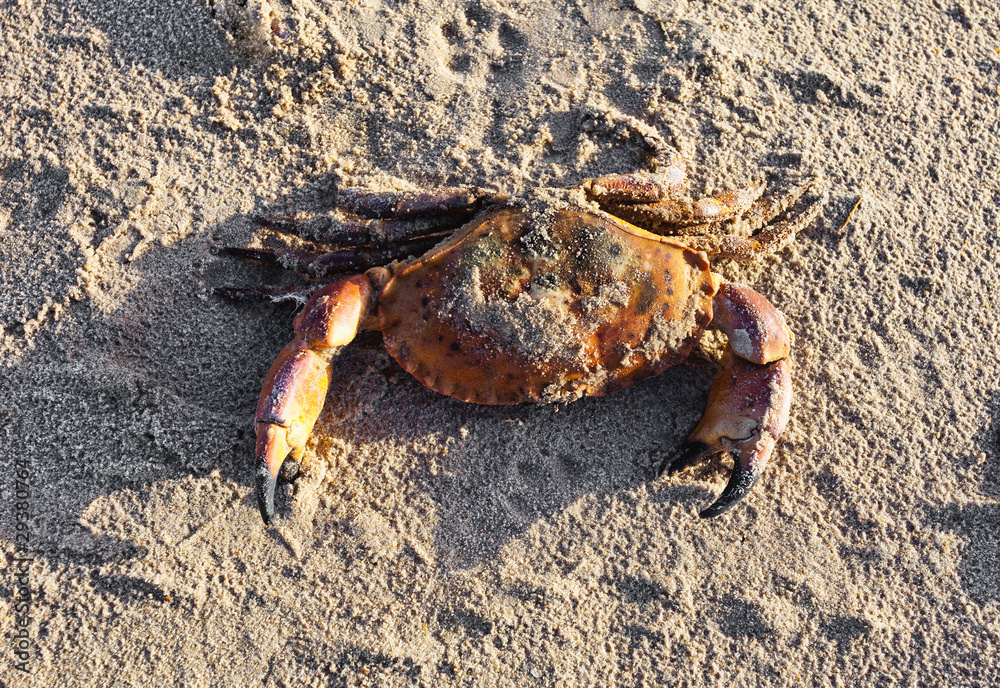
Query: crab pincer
[(296, 384), (751, 394)]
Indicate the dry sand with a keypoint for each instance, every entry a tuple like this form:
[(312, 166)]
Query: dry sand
[(432, 542)]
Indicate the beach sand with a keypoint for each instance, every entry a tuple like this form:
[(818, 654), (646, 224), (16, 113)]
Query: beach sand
[(431, 542)]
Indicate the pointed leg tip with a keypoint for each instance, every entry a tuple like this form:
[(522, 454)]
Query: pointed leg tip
[(255, 255), (287, 224), (741, 482), (717, 509), (289, 471), (265, 495), (686, 456)]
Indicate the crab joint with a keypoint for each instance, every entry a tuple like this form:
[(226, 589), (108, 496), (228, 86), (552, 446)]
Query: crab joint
[(295, 388), (756, 329)]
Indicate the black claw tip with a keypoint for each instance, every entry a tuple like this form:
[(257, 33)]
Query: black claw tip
[(687, 456), (289, 471), (740, 483), (265, 496)]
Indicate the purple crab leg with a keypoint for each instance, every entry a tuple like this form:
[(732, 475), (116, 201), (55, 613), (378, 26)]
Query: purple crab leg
[(329, 230), (662, 216), (409, 204), (635, 188), (323, 265)]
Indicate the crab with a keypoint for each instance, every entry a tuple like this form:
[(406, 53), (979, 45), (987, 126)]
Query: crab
[(543, 298)]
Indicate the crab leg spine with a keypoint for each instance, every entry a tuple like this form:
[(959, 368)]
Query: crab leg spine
[(295, 387)]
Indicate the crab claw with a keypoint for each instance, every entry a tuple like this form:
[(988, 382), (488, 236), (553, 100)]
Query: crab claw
[(295, 388), (746, 413), (751, 394), (290, 403)]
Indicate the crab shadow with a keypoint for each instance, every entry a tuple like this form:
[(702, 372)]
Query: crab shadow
[(171, 36), (492, 472), (979, 524), (157, 398), (142, 392)]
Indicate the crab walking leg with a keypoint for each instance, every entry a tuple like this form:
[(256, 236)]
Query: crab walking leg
[(634, 188), (295, 388), (751, 395), (766, 208), (339, 262), (327, 229), (409, 204), (664, 215), (761, 213), (768, 240)]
